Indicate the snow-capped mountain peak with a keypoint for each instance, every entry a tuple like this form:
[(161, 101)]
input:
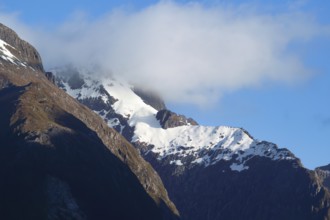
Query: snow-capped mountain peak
[(129, 105), (206, 145), (186, 145)]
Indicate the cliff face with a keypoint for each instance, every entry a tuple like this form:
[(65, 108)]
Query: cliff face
[(58, 159), (23, 50), (324, 174), (266, 190), (168, 119)]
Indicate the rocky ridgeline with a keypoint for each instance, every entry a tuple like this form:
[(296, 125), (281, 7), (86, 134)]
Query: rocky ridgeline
[(24, 51), (60, 160), (324, 174), (169, 119)]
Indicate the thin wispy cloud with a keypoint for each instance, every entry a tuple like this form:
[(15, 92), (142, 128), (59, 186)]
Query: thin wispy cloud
[(187, 52)]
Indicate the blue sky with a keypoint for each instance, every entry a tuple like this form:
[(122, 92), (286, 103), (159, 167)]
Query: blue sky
[(293, 113)]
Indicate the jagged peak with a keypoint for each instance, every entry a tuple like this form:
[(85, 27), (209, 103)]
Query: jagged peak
[(169, 134), (169, 119), (327, 167), (20, 49), (323, 173)]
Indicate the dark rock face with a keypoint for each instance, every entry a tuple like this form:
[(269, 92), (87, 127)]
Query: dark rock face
[(267, 190), (24, 51), (169, 119), (59, 160), (324, 175), (150, 98), (50, 76), (61, 202)]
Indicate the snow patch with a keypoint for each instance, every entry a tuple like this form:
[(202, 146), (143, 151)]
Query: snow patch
[(5, 54), (90, 89), (176, 162), (113, 122), (129, 105), (238, 167)]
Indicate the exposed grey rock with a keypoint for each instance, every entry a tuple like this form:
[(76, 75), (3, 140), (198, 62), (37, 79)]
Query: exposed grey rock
[(50, 76), (169, 119), (26, 52), (324, 174)]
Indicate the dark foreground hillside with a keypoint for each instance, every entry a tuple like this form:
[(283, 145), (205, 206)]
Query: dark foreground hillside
[(58, 159)]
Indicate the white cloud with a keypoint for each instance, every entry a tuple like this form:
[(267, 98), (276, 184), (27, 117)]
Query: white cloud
[(189, 53)]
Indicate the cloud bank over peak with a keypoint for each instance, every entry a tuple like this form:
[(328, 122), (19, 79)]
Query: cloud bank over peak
[(187, 52)]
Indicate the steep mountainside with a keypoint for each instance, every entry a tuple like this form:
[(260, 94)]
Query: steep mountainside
[(210, 172), (19, 50), (58, 159), (324, 174)]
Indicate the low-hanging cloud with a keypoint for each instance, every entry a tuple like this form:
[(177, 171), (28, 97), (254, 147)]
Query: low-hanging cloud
[(187, 52)]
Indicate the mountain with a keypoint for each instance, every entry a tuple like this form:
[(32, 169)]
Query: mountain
[(60, 160), (210, 172), (324, 174)]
